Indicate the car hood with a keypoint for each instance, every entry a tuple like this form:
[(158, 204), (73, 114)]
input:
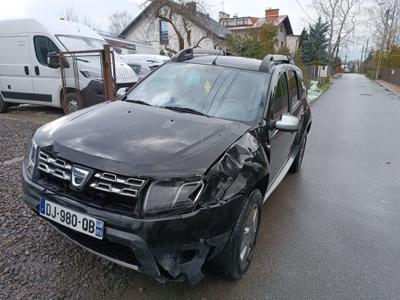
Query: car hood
[(137, 140)]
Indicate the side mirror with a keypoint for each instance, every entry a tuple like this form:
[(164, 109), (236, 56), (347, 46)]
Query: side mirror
[(288, 123), (53, 60), (122, 91)]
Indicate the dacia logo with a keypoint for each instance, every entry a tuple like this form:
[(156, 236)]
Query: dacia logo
[(79, 177)]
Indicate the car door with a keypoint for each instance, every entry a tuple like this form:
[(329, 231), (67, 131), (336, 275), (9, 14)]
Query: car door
[(46, 81), (280, 142), (16, 68), (295, 104)]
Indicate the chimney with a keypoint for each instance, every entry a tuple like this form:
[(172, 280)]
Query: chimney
[(191, 6), (272, 12), (223, 15)]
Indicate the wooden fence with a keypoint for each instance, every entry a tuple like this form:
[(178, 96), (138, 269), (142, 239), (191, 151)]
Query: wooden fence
[(390, 75)]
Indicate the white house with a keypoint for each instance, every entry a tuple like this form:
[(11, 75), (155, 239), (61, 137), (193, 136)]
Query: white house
[(171, 26)]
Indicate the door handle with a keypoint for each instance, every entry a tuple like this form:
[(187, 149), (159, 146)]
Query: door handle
[(37, 70), (26, 69)]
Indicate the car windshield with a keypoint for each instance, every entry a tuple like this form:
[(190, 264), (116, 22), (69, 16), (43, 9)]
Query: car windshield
[(214, 91), (80, 43)]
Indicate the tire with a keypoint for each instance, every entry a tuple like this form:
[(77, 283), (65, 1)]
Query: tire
[(296, 166), (234, 260), (72, 103), (3, 105)]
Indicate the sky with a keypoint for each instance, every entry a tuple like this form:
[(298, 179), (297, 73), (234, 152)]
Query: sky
[(98, 11)]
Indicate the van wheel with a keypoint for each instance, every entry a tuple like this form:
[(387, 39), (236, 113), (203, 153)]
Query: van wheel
[(296, 166), (72, 103), (3, 105), (235, 259)]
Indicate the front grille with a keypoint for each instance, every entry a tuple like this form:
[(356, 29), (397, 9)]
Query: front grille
[(54, 166), (112, 183), (102, 190)]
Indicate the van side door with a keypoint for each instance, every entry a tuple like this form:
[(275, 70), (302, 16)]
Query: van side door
[(47, 82), (16, 69)]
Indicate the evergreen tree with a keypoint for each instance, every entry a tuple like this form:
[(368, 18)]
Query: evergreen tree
[(303, 38), (316, 45)]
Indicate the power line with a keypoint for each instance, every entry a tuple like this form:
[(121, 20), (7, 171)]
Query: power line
[(304, 11)]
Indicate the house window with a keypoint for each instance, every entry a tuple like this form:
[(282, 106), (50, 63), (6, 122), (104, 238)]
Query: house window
[(281, 44), (240, 22), (164, 32)]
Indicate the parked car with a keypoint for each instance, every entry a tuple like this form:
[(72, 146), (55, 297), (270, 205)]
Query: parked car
[(27, 77), (174, 174), (143, 64)]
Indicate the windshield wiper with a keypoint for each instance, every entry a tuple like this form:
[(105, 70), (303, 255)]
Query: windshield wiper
[(136, 101), (80, 59), (185, 109)]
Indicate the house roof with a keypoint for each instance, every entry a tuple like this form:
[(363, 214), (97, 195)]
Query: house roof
[(276, 20), (196, 17)]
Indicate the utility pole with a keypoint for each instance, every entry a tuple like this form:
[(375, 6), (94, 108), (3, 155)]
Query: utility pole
[(361, 59)]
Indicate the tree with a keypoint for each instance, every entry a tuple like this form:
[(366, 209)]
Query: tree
[(315, 47), (178, 14), (118, 21), (339, 15), (384, 20), (257, 43), (303, 38), (71, 14)]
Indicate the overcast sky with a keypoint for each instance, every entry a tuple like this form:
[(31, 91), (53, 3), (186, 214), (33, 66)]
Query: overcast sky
[(98, 11)]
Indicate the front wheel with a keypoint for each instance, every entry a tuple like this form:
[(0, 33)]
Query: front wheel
[(234, 261), (72, 103)]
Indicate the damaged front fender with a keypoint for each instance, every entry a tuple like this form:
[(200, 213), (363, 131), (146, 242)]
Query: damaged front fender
[(238, 171)]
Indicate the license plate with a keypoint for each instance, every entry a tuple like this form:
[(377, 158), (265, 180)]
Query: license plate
[(72, 219)]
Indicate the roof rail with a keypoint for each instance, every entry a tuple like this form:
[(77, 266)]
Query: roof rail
[(189, 53), (274, 59)]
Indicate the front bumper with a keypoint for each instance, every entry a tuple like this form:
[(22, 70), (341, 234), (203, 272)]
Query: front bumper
[(166, 249)]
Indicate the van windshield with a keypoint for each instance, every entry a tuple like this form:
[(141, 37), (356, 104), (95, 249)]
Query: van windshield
[(80, 43)]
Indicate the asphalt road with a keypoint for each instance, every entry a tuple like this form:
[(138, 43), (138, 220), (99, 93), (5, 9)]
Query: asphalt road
[(333, 230)]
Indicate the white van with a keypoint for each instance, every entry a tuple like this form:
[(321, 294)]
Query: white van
[(26, 77)]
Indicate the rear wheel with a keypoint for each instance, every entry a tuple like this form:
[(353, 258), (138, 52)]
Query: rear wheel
[(71, 103), (296, 166), (3, 105), (234, 261)]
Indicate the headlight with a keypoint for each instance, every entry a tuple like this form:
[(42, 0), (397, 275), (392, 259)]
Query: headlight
[(30, 159), (165, 196), (91, 74)]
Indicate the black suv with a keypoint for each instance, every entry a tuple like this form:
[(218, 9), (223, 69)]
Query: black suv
[(172, 176)]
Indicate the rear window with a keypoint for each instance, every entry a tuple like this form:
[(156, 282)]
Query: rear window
[(216, 91)]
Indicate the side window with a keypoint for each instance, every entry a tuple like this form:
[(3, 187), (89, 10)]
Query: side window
[(293, 89), (164, 37), (43, 45), (301, 87), (280, 104), (135, 68)]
